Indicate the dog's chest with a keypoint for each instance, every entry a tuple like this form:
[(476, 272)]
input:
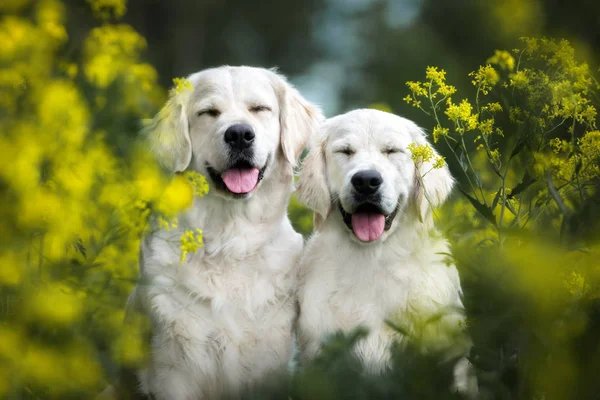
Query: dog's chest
[(227, 288), (370, 293)]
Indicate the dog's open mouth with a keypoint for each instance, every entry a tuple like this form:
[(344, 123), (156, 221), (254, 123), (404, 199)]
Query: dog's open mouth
[(239, 179), (368, 222)]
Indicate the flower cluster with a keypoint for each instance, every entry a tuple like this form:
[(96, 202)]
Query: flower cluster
[(423, 153), (547, 127), (191, 241), (77, 194), (182, 84)]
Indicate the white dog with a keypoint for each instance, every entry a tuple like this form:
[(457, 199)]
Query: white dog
[(375, 255), (223, 319)]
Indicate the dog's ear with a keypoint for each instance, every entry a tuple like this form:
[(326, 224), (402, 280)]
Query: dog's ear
[(432, 185), (168, 133), (313, 189), (298, 118)]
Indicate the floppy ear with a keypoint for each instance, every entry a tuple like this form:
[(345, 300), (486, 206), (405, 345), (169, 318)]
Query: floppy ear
[(168, 133), (298, 118), (432, 185), (313, 189)]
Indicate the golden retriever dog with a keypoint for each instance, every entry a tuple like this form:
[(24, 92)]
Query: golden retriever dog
[(223, 319), (375, 255)]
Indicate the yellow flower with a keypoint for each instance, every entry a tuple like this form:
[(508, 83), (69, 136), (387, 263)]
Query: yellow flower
[(55, 303), (520, 79), (438, 76), (486, 127), (198, 182), (439, 131), (439, 162), (420, 153), (50, 15), (417, 88), (190, 242), (12, 269), (110, 51), (131, 347), (63, 114), (575, 283), (492, 107), (503, 59), (181, 85), (104, 9), (424, 153), (485, 78), (495, 156), (461, 115), (167, 223), (177, 196)]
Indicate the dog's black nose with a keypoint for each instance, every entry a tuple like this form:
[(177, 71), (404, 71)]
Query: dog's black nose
[(367, 182), (239, 136)]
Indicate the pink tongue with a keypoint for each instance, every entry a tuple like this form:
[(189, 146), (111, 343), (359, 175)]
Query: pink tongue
[(368, 226), (240, 180)]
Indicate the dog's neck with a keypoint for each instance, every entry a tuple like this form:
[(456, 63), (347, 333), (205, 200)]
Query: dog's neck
[(264, 208)]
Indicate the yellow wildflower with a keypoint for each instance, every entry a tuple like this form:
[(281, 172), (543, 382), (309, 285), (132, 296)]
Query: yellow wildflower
[(485, 78), (55, 303), (177, 196), (190, 242), (182, 84), (575, 283), (438, 76), (439, 131), (503, 59), (520, 79), (461, 111), (420, 153), (104, 9), (198, 182)]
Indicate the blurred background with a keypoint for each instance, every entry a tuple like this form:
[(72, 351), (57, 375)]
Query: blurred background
[(77, 192), (344, 54)]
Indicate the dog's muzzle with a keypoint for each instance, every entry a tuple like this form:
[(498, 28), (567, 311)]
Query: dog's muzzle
[(240, 178), (368, 221)]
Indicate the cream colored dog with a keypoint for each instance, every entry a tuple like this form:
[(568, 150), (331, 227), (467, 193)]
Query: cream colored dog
[(375, 255), (223, 319)]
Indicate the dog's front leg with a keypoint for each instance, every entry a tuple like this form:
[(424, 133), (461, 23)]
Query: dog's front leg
[(178, 372)]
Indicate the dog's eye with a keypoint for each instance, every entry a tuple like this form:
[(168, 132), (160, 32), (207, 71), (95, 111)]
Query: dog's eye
[(259, 108), (213, 112), (391, 150), (345, 150)]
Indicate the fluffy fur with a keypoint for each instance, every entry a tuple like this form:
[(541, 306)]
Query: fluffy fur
[(223, 319), (402, 276)]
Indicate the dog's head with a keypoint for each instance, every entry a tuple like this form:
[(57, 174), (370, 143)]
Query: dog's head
[(359, 165), (233, 126)]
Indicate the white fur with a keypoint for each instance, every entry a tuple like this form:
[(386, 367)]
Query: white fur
[(403, 276), (223, 318)]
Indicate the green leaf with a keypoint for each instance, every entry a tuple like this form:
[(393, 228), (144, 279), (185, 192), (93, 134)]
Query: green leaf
[(81, 248), (463, 161), (520, 145), (397, 328), (496, 198), (522, 186), (483, 209)]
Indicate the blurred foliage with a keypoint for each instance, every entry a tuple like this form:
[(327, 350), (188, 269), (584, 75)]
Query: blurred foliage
[(528, 154), (301, 217), (76, 194)]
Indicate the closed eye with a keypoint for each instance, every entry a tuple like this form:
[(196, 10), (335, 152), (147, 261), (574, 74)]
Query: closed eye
[(345, 150), (391, 150), (259, 108), (213, 112)]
